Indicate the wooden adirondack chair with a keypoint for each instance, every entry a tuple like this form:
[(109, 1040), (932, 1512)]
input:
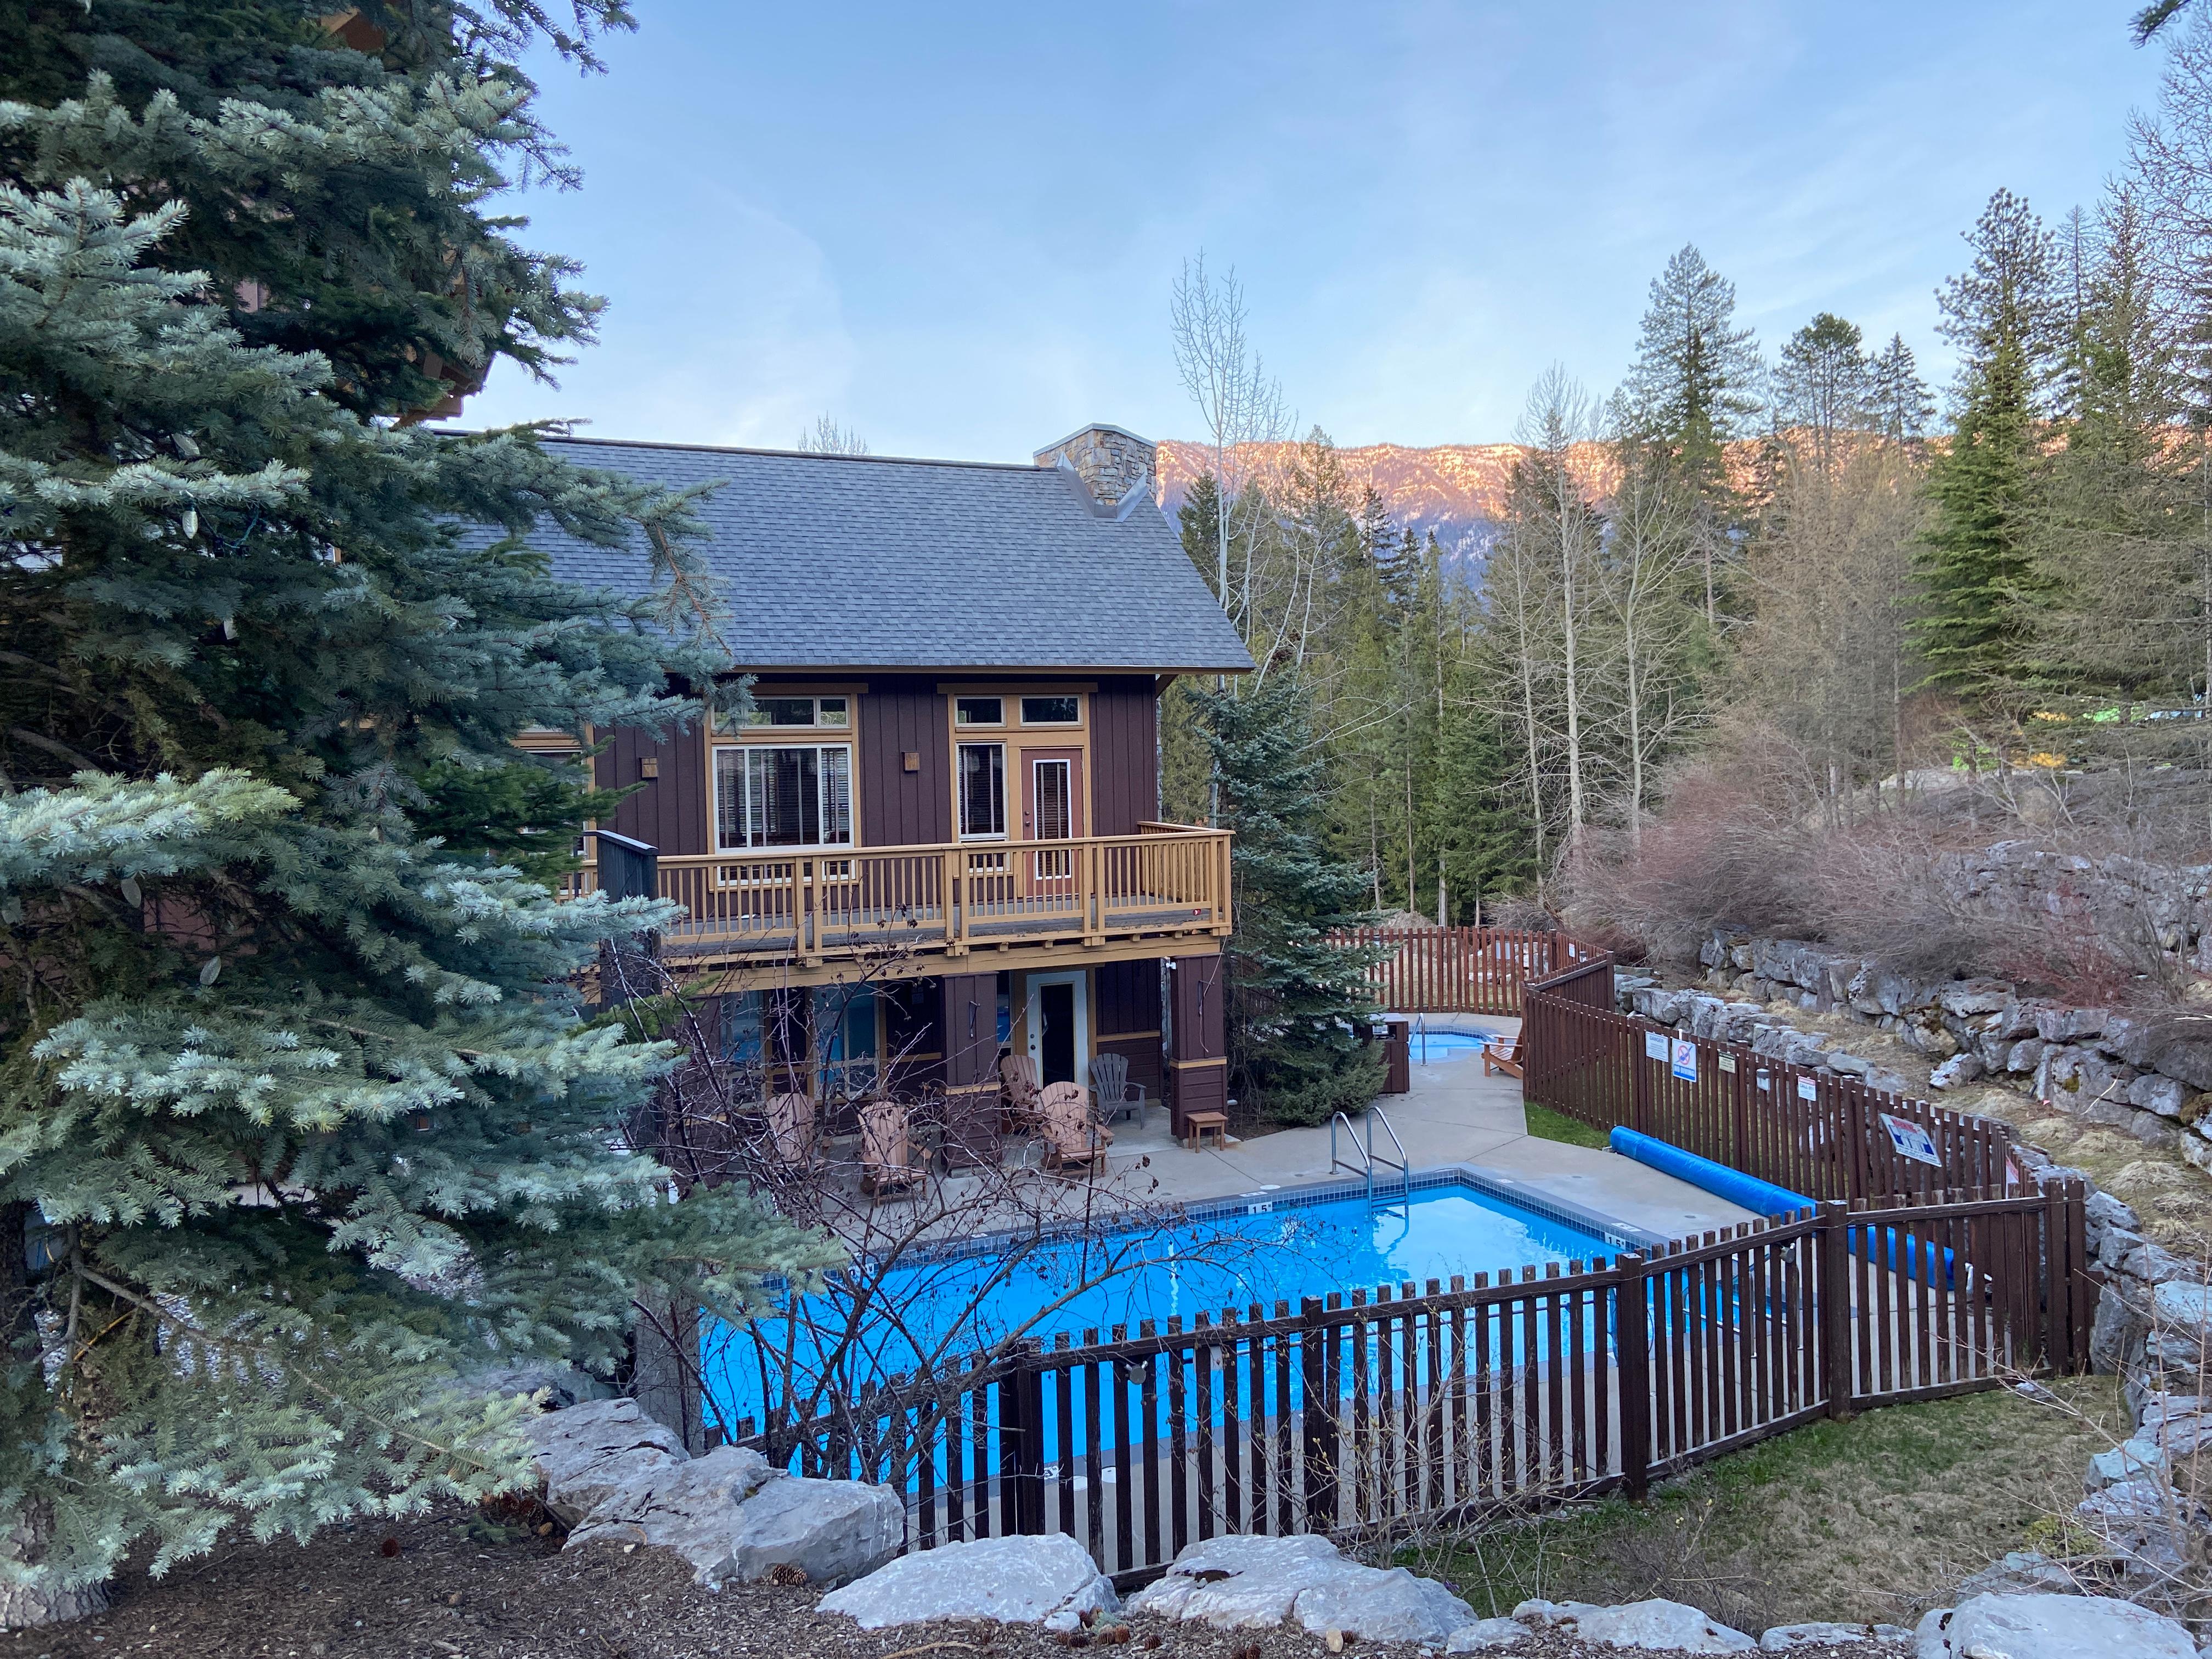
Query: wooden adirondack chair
[(790, 1121), (890, 1160), (1502, 1053), (1117, 1096), (1072, 1141), (1018, 1079)]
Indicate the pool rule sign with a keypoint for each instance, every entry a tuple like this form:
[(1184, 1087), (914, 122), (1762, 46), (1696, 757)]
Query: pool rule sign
[(1911, 1139)]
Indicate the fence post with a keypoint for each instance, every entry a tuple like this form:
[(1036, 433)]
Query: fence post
[(1021, 1439), (1835, 1260), (1631, 1337), (1318, 1379), (2063, 1266)]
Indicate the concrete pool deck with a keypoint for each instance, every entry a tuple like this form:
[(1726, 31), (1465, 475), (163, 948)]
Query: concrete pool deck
[(1454, 1115)]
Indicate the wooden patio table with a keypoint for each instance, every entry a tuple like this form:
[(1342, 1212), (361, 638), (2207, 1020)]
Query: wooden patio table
[(1199, 1122)]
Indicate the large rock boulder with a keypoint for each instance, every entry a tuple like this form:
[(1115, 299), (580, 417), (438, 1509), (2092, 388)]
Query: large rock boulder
[(735, 1519), (1666, 1626), (586, 1451), (1050, 1581), (2051, 1627), (1256, 1583)]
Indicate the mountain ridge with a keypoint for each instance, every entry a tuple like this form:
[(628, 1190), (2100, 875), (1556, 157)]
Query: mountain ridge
[(1457, 491)]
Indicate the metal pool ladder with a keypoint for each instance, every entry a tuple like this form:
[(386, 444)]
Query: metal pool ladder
[(1367, 1155)]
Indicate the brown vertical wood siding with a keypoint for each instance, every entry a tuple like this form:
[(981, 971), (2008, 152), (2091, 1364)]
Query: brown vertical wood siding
[(1126, 1020), (969, 1059), (899, 808), (1197, 1035), (671, 812), (1124, 754)]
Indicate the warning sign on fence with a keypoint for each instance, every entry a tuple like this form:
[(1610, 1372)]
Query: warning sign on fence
[(1686, 1060), (1911, 1139), (1655, 1045)]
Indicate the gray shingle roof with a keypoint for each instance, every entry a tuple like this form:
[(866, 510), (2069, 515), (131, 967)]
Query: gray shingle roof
[(860, 562)]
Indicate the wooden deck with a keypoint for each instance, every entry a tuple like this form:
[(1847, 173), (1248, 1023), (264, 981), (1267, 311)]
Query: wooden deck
[(812, 906)]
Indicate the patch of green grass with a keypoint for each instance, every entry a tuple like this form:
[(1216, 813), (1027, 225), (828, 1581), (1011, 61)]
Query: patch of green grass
[(1876, 1518), (1548, 1125)]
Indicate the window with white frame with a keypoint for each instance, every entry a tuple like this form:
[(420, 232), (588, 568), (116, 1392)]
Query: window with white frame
[(983, 767), (783, 795)]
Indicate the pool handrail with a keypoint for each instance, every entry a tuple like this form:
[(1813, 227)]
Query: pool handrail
[(1366, 1165), (1375, 1114)]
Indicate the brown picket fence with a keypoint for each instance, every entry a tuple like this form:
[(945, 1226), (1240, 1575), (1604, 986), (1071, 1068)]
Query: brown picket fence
[(1361, 1412), (1459, 971), (1816, 1134)]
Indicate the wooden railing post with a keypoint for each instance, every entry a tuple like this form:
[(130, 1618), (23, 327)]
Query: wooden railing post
[(1316, 1354), (1835, 1263), (956, 906), (1631, 1337)]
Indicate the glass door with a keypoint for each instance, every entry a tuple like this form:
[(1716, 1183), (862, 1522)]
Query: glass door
[(1052, 809)]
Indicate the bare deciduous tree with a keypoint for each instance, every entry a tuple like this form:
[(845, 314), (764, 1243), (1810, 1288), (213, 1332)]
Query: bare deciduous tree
[(1239, 404)]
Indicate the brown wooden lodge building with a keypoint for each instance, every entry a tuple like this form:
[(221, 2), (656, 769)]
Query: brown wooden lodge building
[(936, 838)]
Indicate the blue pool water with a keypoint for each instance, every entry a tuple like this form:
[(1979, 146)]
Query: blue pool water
[(1429, 1047), (1267, 1252)]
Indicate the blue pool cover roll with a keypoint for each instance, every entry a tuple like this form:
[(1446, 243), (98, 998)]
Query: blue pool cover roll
[(1746, 1192), (1760, 1197)]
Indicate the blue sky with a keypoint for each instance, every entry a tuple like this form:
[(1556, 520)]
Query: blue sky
[(954, 227)]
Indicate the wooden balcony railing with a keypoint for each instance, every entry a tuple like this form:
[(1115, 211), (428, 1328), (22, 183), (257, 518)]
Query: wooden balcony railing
[(816, 903)]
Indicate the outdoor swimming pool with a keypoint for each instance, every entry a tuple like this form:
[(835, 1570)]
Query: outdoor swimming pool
[(1263, 1249), (1429, 1047)]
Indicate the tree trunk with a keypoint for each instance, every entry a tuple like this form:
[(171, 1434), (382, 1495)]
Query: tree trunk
[(24, 1532), (23, 1538)]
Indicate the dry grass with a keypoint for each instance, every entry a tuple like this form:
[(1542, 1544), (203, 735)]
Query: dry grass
[(1876, 1519)]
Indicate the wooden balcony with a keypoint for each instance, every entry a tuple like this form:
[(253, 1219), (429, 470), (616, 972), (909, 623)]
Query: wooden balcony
[(808, 908)]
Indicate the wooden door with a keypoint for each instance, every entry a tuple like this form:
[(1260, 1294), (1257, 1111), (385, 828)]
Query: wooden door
[(1052, 809)]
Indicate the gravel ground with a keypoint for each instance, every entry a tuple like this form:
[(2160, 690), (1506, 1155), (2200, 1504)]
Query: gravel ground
[(440, 1587)]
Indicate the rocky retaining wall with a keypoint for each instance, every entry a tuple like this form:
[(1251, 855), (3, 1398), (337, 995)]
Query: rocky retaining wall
[(2151, 1077)]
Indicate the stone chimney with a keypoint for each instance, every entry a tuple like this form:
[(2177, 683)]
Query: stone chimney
[(1114, 467)]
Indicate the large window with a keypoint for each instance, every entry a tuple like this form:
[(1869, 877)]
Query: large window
[(774, 795), (982, 789)]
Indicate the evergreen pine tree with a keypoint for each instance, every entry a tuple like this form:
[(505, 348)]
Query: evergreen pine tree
[(298, 1110), (1692, 389), (1297, 1000), (2119, 574), (1822, 385), (1896, 395), (333, 182), (1694, 384), (1487, 839), (1975, 570)]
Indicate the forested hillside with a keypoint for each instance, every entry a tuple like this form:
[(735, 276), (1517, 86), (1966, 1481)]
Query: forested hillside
[(1757, 631)]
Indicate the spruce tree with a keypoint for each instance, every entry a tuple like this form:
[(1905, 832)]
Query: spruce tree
[(1975, 570), (2119, 568), (301, 1114), (1897, 397), (1692, 390), (1694, 384), (1487, 842), (1296, 1001)]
